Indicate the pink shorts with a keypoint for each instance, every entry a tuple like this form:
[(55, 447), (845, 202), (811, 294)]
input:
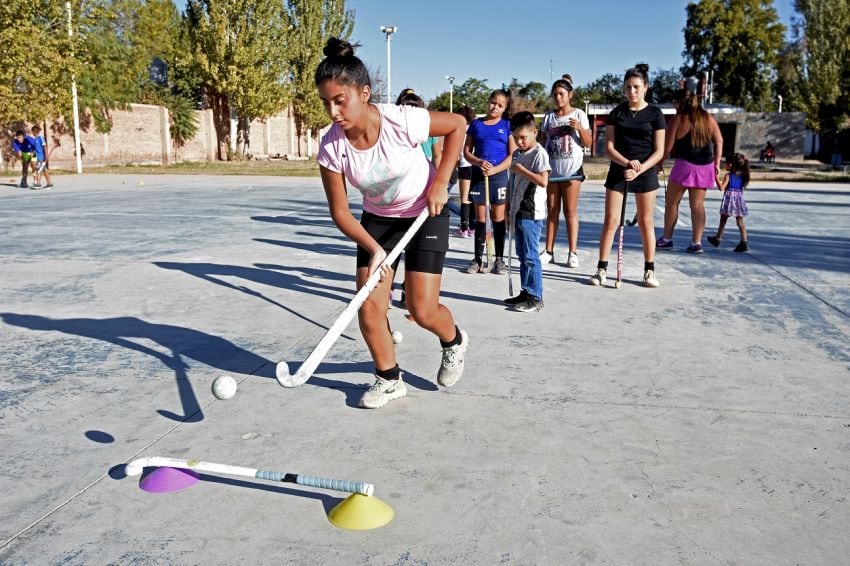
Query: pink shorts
[(693, 176)]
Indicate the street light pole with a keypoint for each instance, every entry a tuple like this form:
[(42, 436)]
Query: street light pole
[(451, 80), (389, 31), (74, 102)]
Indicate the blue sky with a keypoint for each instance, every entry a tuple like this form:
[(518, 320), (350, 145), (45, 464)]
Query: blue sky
[(495, 41)]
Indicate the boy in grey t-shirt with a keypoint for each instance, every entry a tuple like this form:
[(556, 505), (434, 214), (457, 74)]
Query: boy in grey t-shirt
[(530, 175)]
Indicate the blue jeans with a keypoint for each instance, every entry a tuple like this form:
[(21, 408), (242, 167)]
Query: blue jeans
[(527, 239)]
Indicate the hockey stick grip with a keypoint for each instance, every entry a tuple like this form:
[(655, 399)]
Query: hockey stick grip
[(336, 485), (335, 331), (135, 468)]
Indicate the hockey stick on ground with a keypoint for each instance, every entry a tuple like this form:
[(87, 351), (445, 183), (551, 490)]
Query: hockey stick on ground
[(489, 251), (321, 350), (511, 228), (135, 467), (43, 165), (620, 243)]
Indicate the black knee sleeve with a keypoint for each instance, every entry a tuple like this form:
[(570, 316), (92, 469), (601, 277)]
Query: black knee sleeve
[(499, 235)]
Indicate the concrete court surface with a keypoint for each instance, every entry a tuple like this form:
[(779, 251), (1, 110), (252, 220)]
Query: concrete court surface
[(703, 422)]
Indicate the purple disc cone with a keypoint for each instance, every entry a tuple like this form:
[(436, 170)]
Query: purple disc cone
[(165, 480)]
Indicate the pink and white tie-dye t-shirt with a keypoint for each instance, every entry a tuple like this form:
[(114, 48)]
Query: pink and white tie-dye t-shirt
[(394, 174)]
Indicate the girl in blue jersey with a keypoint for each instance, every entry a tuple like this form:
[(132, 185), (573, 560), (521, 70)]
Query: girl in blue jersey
[(733, 203), (488, 149)]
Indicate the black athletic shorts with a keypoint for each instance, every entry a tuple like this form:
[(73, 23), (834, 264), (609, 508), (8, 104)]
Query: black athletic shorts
[(498, 184), (425, 253), (646, 182), (465, 173)]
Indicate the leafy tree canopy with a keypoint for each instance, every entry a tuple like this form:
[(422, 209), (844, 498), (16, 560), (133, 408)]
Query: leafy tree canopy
[(35, 73), (313, 22), (815, 71), (739, 41), (472, 92)]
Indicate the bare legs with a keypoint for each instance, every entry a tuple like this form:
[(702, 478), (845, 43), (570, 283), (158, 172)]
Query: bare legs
[(696, 200), (672, 199), (645, 208), (497, 212), (564, 195), (422, 292), (739, 220)]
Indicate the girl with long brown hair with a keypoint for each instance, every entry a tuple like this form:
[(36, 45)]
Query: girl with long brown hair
[(696, 144)]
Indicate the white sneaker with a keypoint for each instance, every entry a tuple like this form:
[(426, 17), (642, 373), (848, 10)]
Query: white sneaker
[(649, 279), (598, 278), (451, 368), (572, 260), (382, 392), (546, 257)]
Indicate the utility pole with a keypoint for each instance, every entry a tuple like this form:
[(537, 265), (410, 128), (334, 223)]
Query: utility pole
[(74, 102), (389, 31)]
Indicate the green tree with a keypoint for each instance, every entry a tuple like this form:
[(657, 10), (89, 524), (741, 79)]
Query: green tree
[(473, 93), (240, 48), (118, 40), (663, 84), (607, 89), (441, 102), (35, 70), (313, 22), (816, 76), (739, 41), (532, 96)]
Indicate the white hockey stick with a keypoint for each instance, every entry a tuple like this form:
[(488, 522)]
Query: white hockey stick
[(321, 350), (135, 467)]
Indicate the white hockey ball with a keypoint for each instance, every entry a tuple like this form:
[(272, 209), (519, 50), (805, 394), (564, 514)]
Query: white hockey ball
[(397, 336), (224, 387)]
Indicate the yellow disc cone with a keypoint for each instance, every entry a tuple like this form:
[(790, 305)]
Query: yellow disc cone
[(360, 513)]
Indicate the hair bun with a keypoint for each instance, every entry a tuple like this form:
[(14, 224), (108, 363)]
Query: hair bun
[(642, 67), (336, 47), (568, 78)]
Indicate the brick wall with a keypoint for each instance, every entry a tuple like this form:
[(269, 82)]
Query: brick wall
[(141, 136), (786, 131)]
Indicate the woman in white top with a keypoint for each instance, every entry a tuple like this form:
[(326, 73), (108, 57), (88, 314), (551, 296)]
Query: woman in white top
[(375, 148), (564, 134)]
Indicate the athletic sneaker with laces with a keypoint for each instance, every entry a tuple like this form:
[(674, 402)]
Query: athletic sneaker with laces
[(572, 260), (714, 241), (649, 279), (547, 257), (518, 299), (598, 278), (451, 367), (663, 244), (529, 305), (382, 392), (694, 249), (499, 266), (474, 266)]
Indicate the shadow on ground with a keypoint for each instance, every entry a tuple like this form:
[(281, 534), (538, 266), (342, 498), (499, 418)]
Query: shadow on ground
[(180, 342)]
